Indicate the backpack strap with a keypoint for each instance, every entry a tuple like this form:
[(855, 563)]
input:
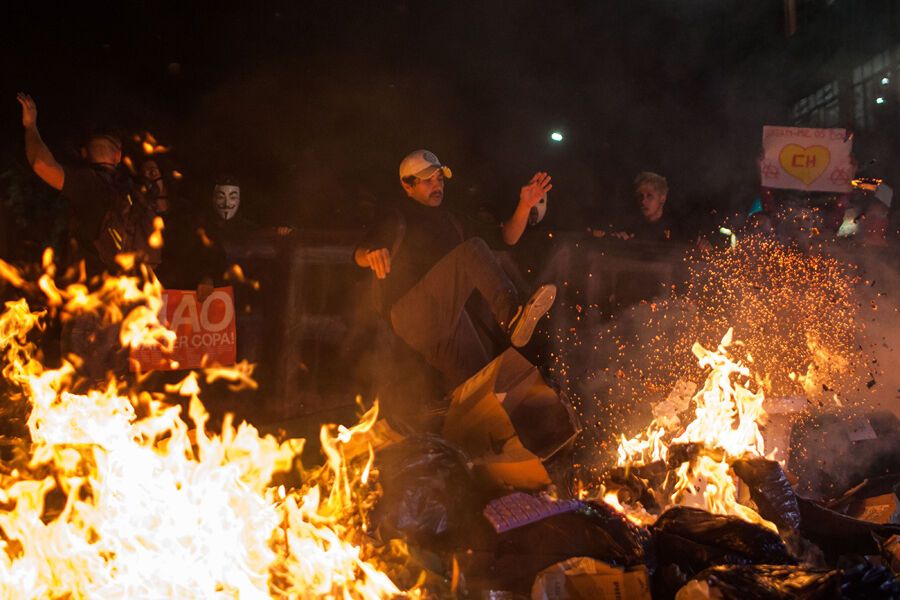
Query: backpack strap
[(128, 221)]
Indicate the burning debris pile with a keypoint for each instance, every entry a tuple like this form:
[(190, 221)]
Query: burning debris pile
[(715, 504), (114, 494), (111, 492), (694, 508), (798, 314), (694, 467)]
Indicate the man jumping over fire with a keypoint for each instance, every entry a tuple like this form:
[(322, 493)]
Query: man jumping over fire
[(430, 269)]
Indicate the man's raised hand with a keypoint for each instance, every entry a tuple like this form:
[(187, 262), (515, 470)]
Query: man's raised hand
[(29, 110), (535, 189), (379, 261), (39, 156)]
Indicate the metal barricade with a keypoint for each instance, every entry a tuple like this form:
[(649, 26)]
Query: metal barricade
[(315, 298), (606, 276), (312, 295), (296, 313)]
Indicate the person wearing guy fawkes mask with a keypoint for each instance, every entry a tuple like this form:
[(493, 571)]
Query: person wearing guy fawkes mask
[(227, 223), (189, 259), (227, 198), (226, 226)]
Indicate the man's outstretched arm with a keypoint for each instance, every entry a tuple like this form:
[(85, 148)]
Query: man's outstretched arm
[(530, 195), (378, 259), (39, 156)]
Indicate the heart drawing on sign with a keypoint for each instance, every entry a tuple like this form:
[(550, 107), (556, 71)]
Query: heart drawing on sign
[(806, 164)]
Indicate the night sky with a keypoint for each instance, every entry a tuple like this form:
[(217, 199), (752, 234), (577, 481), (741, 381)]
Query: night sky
[(312, 104)]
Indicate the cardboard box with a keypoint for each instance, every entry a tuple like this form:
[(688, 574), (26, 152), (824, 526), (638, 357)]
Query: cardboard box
[(584, 578), (882, 509), (509, 421), (891, 551)]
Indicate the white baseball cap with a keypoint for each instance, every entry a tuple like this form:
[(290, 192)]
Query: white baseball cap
[(422, 164)]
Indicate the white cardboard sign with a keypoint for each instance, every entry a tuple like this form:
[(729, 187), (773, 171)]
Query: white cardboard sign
[(801, 158)]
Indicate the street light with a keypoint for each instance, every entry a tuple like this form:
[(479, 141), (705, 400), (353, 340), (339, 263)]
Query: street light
[(556, 136)]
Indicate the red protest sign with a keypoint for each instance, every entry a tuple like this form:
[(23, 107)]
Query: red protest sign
[(205, 333)]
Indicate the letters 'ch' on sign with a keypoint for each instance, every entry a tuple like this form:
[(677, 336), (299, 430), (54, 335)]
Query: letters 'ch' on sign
[(205, 333), (801, 158)]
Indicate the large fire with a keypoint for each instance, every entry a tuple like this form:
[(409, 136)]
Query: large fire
[(725, 428), (116, 495)]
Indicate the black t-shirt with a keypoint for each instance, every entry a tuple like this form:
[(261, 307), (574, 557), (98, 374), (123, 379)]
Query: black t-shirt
[(417, 236), (666, 229), (188, 258), (236, 230), (90, 196)]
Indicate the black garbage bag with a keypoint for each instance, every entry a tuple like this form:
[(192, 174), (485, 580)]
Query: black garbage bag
[(770, 490), (864, 580), (722, 534), (688, 540), (511, 560), (428, 489), (838, 534), (765, 582)]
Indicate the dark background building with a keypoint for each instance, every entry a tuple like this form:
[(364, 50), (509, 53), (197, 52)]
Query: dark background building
[(841, 68), (311, 104)]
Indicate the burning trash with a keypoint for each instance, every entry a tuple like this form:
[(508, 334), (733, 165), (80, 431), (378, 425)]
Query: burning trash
[(720, 512), (112, 491), (698, 461), (115, 494)]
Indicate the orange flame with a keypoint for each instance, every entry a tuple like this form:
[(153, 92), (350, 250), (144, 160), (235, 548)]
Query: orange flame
[(156, 238), (726, 423), (152, 508)]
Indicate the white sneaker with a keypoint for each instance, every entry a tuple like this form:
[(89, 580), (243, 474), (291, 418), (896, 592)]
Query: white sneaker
[(523, 323)]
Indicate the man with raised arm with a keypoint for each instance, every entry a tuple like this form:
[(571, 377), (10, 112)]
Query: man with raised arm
[(91, 189), (430, 269)]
